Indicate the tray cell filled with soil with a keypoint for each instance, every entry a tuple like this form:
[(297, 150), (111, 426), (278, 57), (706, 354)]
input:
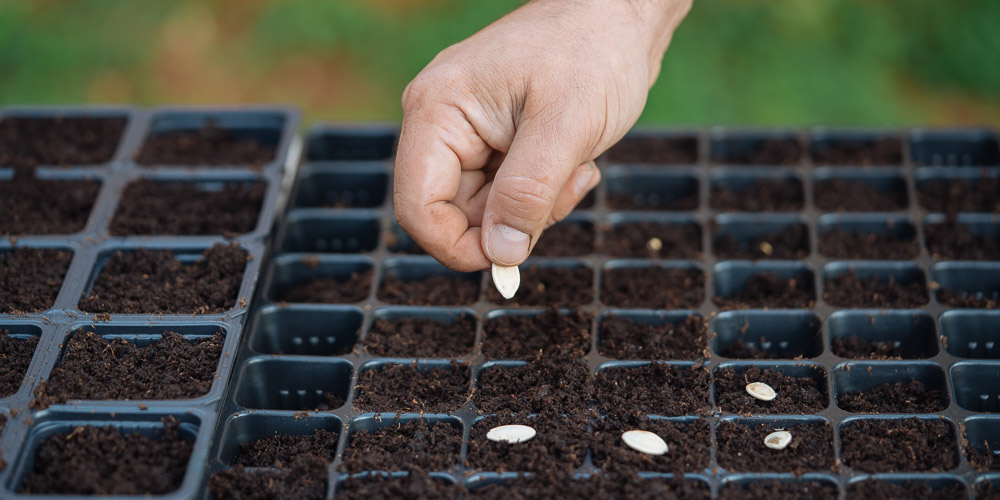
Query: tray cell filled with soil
[(279, 383), (396, 443), (737, 236), (527, 334), (649, 335), (324, 186), (343, 144), (952, 190), (914, 444), (778, 489), (573, 237), (981, 441), (311, 231), (559, 446), (30, 278), (636, 188), (688, 445), (971, 334), (742, 448), (756, 191), (424, 387), (969, 237), (45, 205), (655, 149), (882, 335), (867, 236), (800, 388), (500, 486), (666, 389), (883, 286), (411, 332), (864, 191), (422, 281), (412, 484), (651, 236), (17, 347), (28, 141), (968, 285), (546, 384), (164, 207), (755, 148), (777, 285), (320, 279), (955, 148), (304, 329), (229, 138), (652, 286), (767, 335), (860, 149), (890, 387), (561, 283), (976, 385), (934, 488)]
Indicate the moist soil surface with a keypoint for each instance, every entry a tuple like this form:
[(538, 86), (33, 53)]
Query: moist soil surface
[(30, 278), (513, 336), (742, 449), (796, 394), (980, 455), (762, 195), (565, 239), (280, 450), (435, 446), (987, 490), (952, 240), (329, 290), (545, 384), (765, 290), (653, 287), (688, 446), (850, 290), (958, 195), (405, 388), (895, 397), (841, 244), (847, 195), (662, 150), (899, 445), (626, 200), (209, 145), (151, 207), (154, 281), (859, 348), (559, 447), (30, 142), (304, 477), (104, 461), (905, 490), (887, 151), (437, 290), (415, 486), (92, 368), (622, 338), (548, 286), (648, 239), (603, 487), (765, 152), (654, 389), (421, 338), (956, 298), (790, 243), (33, 206), (16, 355), (740, 349), (771, 489)]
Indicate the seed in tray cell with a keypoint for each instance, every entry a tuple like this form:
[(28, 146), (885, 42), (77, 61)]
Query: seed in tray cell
[(654, 245), (761, 391), (645, 442), (778, 440), (513, 434), (507, 280)]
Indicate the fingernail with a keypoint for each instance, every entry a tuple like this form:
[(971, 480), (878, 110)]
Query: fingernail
[(508, 245), (583, 181)]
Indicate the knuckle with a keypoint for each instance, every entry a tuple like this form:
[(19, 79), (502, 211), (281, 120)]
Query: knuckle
[(525, 199)]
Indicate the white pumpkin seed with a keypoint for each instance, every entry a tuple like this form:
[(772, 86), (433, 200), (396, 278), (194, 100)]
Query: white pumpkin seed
[(778, 440), (761, 391), (654, 245), (645, 442), (507, 280), (511, 434)]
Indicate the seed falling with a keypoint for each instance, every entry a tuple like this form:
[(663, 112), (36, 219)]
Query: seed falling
[(778, 440), (761, 391), (645, 442), (507, 280), (654, 245), (766, 248), (511, 434)]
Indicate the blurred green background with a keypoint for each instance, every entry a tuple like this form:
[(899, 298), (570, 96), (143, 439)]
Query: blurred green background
[(796, 62)]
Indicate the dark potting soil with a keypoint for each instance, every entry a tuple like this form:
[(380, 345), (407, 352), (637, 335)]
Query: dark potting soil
[(688, 446), (421, 338), (151, 207), (899, 445), (95, 369), (597, 487), (154, 281), (959, 195), (661, 150), (772, 489), (437, 290), (622, 338), (796, 394), (559, 447), (887, 151), (789, 243), (876, 246), (407, 388), (654, 389), (648, 239), (766, 152), (851, 290), (280, 450), (987, 490), (624, 200), (762, 195), (906, 490), (653, 287), (740, 349), (513, 336), (413, 486), (847, 195), (435, 446), (895, 397), (545, 384), (859, 348), (329, 290), (549, 286), (565, 239), (303, 478), (103, 461), (209, 145), (742, 449), (980, 456), (30, 278), (956, 298), (770, 290), (34, 206), (15, 355), (29, 142), (952, 240)]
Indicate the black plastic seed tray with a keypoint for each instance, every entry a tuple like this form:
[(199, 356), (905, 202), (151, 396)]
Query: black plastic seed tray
[(27, 424)]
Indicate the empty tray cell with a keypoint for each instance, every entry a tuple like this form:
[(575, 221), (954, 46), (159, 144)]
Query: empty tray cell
[(646, 235), (882, 334), (321, 186), (771, 285), (222, 138), (952, 148), (80, 138), (800, 387), (558, 283), (859, 190), (31, 203), (890, 387), (398, 241), (625, 389), (545, 384), (651, 335), (878, 285), (306, 329), (688, 442), (867, 236), (767, 335), (573, 237), (982, 442), (30, 278), (293, 384), (321, 232), (423, 281), (422, 386), (977, 385), (888, 444), (755, 148), (659, 148), (399, 484), (856, 148), (928, 487), (967, 237), (351, 144), (559, 446), (320, 279), (644, 284), (968, 285), (753, 487), (756, 190), (738, 236), (167, 207), (632, 188), (17, 345), (527, 334), (388, 443), (943, 189), (416, 332), (742, 448), (971, 334)]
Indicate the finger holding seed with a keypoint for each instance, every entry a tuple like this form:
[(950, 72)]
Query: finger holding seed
[(506, 279)]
